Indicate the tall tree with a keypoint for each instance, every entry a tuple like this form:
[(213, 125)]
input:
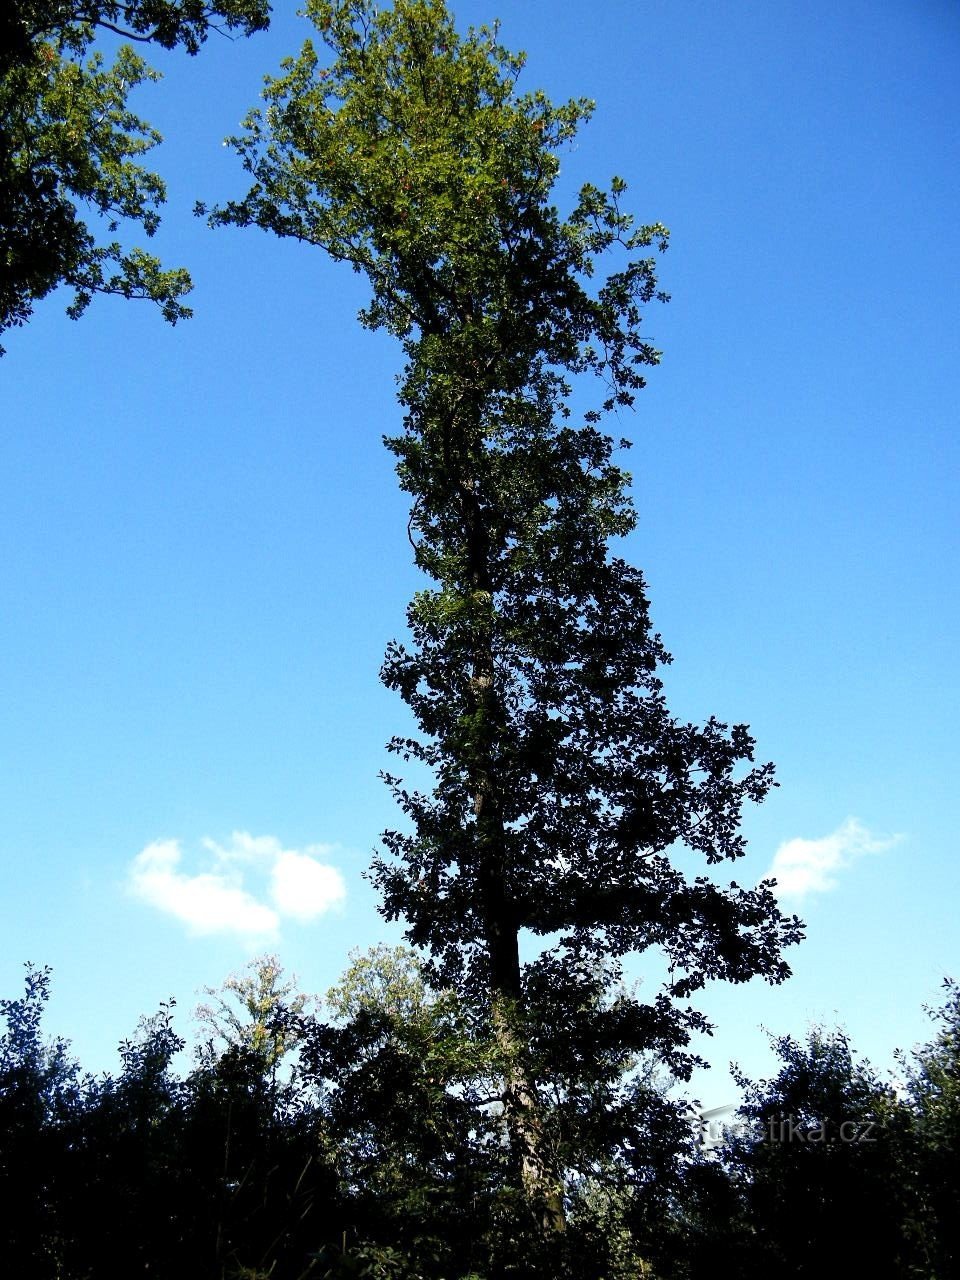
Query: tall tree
[(569, 805), (70, 146)]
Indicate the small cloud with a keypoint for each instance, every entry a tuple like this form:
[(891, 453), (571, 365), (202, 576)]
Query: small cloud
[(802, 867), (218, 899)]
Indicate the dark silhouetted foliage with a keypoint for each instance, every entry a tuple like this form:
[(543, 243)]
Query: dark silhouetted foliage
[(378, 1151)]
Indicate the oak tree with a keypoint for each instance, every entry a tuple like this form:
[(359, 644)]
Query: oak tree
[(573, 821)]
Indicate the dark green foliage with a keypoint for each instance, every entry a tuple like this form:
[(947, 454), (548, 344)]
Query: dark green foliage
[(933, 1142), (70, 147), (819, 1165), (40, 1092), (405, 1080), (122, 1144), (379, 1154), (218, 1174), (415, 1125), (822, 1173)]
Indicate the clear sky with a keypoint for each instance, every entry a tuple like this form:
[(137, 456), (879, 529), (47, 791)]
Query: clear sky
[(202, 549)]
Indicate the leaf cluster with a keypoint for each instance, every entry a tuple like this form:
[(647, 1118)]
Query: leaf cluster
[(71, 148)]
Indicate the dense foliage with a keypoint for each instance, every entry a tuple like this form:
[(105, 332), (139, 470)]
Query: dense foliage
[(361, 1156)]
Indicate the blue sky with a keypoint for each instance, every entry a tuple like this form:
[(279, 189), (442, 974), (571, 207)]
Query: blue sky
[(202, 550)]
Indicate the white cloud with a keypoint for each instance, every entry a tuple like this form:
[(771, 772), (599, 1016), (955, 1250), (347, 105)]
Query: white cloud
[(304, 888), (217, 899), (801, 867), (211, 902)]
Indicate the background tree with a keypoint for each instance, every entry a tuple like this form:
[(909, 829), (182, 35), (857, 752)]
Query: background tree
[(409, 1088), (70, 146), (123, 1207), (568, 803), (259, 1149), (40, 1088), (382, 1156), (414, 1109), (931, 1162), (815, 1159), (253, 1012), (146, 1171)]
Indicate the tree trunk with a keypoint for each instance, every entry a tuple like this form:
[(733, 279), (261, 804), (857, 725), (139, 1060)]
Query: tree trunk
[(522, 1109)]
